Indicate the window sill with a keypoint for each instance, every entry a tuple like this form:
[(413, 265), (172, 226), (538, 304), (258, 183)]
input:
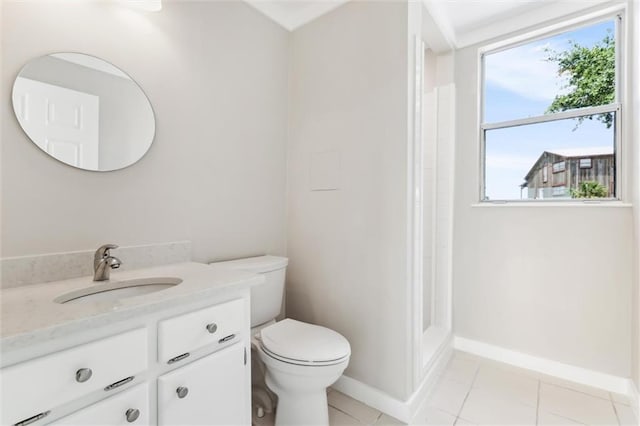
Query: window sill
[(536, 204)]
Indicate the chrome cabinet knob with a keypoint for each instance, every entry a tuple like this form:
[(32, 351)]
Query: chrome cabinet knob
[(83, 375), (132, 414), (182, 391), (212, 328)]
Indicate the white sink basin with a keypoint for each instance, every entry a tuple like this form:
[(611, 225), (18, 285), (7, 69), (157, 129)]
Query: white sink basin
[(116, 290)]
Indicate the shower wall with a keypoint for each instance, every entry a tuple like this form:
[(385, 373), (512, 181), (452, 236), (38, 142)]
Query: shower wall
[(438, 188)]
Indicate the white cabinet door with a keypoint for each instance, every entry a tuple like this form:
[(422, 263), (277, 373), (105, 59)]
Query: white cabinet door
[(213, 391), (117, 410)]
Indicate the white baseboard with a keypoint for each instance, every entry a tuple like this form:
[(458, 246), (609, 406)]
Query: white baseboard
[(405, 411), (546, 366)]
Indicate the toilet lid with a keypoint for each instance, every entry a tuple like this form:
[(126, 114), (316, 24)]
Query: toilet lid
[(299, 341)]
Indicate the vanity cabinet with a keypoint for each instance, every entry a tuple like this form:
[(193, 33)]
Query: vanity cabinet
[(185, 366), (209, 391)]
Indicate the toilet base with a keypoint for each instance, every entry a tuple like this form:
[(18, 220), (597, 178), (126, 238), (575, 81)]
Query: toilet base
[(300, 409)]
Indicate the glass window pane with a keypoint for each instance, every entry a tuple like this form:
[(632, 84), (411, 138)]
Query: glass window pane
[(524, 81), (543, 161), (585, 163)]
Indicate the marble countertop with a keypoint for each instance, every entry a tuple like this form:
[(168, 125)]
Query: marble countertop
[(29, 314)]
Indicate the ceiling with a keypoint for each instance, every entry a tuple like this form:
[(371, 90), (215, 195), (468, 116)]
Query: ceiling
[(466, 22), (467, 15), (292, 14), (459, 23)]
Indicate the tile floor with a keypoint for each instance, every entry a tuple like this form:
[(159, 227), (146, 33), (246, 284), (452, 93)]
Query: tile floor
[(476, 391), (345, 411)]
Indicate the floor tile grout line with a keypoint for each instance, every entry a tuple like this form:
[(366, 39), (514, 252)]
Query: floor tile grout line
[(580, 422), (347, 414), (615, 410), (380, 413), (475, 376), (575, 390), (576, 420), (626, 401)]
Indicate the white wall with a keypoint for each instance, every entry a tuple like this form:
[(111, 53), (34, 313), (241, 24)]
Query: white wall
[(347, 247), (216, 75), (554, 282)]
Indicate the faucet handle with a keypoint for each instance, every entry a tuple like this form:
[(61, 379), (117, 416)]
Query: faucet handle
[(104, 249)]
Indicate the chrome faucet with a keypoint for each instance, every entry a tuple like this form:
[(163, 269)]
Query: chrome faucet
[(103, 262)]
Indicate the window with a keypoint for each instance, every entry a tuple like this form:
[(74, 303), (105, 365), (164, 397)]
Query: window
[(559, 179), (559, 167), (542, 108), (585, 163)]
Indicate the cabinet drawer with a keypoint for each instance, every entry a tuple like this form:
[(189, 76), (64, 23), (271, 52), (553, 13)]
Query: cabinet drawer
[(44, 383), (194, 330), (114, 411)]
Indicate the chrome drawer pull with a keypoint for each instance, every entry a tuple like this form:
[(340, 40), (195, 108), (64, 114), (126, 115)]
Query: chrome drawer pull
[(83, 375), (132, 414), (212, 328), (227, 338), (30, 420), (119, 383), (182, 391), (178, 358)]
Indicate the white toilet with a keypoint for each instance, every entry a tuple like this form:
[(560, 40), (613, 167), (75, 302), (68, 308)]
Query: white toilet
[(301, 359)]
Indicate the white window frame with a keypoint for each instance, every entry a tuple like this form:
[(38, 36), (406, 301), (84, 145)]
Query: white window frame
[(618, 16)]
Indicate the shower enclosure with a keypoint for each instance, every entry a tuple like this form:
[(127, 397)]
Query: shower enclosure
[(432, 184)]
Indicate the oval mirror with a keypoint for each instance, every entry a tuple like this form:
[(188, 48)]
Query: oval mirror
[(83, 111)]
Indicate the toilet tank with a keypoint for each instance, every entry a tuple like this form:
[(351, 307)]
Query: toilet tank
[(266, 299)]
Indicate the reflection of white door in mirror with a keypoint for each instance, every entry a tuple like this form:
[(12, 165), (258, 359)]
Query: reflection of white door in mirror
[(62, 122)]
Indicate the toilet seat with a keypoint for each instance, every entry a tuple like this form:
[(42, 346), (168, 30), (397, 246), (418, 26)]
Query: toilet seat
[(300, 362), (299, 343)]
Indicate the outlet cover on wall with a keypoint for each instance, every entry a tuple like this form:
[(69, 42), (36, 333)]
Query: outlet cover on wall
[(324, 173)]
